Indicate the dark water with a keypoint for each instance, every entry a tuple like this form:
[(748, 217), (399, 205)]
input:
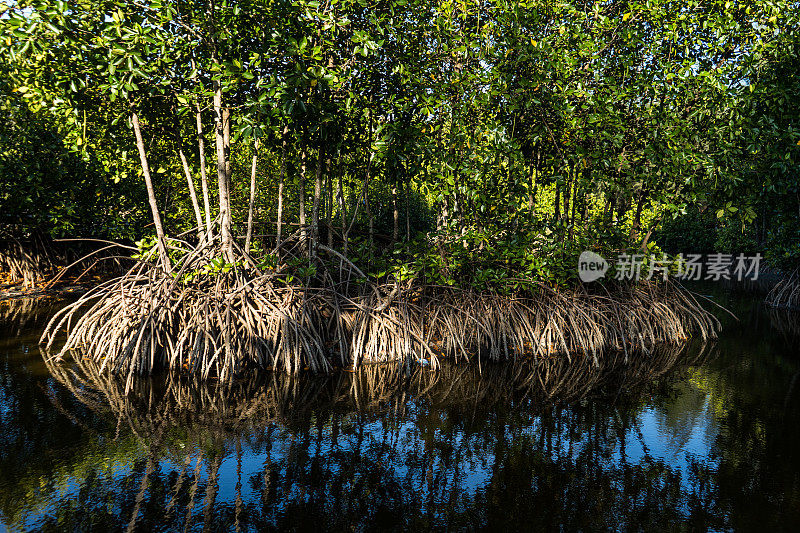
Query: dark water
[(698, 438)]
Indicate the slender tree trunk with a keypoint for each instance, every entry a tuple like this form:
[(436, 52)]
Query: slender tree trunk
[(151, 193), (303, 229), (342, 212), (637, 217), (537, 164), (192, 192), (315, 233), (201, 149), (395, 215), (649, 233), (445, 214), (249, 237), (584, 203), (612, 207), (574, 202), (369, 210), (567, 190), (532, 191), (406, 195), (329, 212), (366, 183), (558, 202), (280, 188), (222, 173), (226, 137)]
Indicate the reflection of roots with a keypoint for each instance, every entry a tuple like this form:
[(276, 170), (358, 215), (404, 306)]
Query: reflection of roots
[(219, 325), (176, 401), (23, 313), (786, 321), (786, 293)]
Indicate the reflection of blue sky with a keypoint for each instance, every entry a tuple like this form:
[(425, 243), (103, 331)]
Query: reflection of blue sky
[(676, 434), (386, 448)]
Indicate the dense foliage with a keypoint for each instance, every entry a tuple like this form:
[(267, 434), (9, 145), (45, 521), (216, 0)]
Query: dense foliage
[(468, 142)]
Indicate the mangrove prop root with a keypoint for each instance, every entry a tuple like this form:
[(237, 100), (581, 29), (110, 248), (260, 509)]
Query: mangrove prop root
[(38, 259), (786, 293), (219, 325)]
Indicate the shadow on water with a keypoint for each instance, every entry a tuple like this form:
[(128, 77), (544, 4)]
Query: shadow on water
[(690, 437)]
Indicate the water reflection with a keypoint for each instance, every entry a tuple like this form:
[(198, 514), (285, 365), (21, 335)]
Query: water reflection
[(688, 438), (383, 390), (786, 322)]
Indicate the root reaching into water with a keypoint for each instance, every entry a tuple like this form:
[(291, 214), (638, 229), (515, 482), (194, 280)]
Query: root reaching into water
[(218, 325), (786, 293)]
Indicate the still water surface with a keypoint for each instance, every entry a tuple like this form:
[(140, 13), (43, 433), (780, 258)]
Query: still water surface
[(693, 438)]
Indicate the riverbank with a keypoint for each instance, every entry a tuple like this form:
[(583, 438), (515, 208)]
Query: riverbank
[(68, 287)]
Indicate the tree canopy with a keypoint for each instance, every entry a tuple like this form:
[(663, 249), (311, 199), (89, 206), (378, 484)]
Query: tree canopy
[(512, 135)]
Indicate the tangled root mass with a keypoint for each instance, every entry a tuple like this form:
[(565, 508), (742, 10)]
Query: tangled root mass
[(219, 325)]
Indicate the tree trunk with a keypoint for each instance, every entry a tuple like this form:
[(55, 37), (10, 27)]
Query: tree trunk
[(151, 193), (226, 137), (329, 212), (558, 202), (584, 203), (536, 164), (406, 187), (567, 190), (369, 211), (192, 192), (249, 237), (201, 148), (280, 189), (223, 167), (532, 191), (366, 183), (608, 210), (574, 202), (315, 233), (303, 230), (342, 212), (637, 217), (395, 215)]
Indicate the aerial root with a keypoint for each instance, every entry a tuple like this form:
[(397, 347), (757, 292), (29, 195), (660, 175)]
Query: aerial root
[(219, 325), (786, 293)]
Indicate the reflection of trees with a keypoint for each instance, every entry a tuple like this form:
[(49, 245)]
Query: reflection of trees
[(754, 392), (34, 430), (459, 447)]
